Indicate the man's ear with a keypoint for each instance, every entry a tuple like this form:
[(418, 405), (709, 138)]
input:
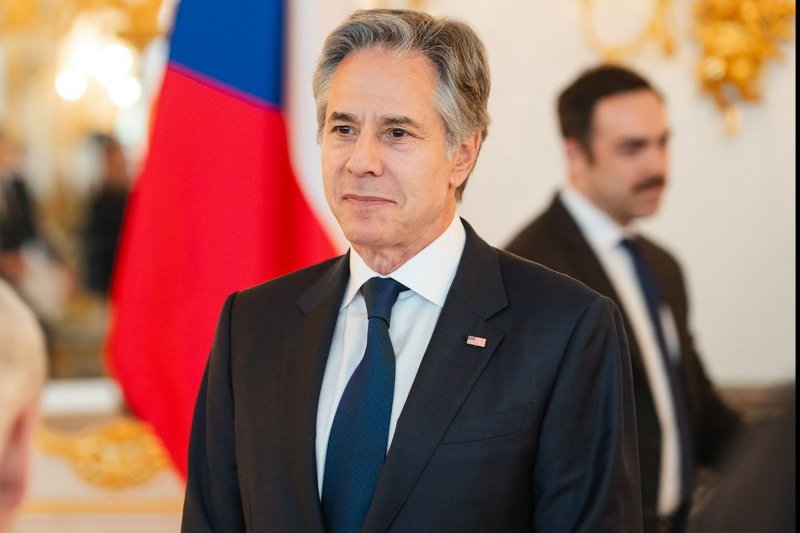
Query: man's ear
[(465, 157), (575, 155)]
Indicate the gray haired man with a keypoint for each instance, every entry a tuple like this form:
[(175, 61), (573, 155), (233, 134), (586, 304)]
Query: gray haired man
[(424, 381)]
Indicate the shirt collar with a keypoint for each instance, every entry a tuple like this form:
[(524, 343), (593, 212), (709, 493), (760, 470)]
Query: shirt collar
[(429, 273), (602, 232)]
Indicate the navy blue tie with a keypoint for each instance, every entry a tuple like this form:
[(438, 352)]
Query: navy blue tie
[(360, 430), (654, 300)]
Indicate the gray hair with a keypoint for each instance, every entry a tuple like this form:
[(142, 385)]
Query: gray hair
[(453, 48)]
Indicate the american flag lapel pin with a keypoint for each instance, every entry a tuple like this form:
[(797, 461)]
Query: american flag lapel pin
[(480, 342)]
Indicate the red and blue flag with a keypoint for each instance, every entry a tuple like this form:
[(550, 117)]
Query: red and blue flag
[(216, 208)]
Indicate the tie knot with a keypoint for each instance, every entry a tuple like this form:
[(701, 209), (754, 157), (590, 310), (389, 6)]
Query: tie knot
[(630, 245), (380, 295)]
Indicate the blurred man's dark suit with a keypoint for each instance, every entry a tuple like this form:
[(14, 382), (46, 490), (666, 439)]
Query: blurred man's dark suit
[(555, 240)]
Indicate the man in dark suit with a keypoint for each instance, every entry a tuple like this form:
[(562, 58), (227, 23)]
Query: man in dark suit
[(424, 381), (615, 140)]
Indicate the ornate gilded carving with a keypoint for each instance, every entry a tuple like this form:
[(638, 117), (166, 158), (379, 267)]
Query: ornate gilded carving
[(33, 34), (118, 455), (15, 15), (658, 29), (737, 37), (137, 22)]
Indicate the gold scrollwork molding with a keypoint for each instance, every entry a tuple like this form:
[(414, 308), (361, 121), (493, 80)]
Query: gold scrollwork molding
[(121, 454), (658, 29), (737, 37), (138, 22)]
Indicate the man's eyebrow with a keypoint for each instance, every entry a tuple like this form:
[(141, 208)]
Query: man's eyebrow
[(338, 116), (387, 120), (400, 120)]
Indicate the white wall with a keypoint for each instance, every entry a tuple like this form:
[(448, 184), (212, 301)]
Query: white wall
[(730, 213)]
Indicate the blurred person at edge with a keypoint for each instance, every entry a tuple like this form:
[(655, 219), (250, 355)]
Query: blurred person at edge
[(756, 487), (22, 375), (29, 260)]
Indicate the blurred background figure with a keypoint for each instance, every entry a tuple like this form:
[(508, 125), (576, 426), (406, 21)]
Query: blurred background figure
[(756, 489), (17, 220), (104, 216), (29, 262), (22, 375)]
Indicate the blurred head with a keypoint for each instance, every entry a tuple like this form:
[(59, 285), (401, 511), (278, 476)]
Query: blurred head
[(615, 135), (22, 374)]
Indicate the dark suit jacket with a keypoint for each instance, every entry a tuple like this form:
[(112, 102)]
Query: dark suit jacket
[(535, 431), (555, 240)]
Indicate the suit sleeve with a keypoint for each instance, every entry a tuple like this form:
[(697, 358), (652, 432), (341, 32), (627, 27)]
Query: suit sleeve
[(213, 499), (586, 475)]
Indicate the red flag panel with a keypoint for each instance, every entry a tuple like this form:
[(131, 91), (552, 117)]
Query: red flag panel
[(217, 208)]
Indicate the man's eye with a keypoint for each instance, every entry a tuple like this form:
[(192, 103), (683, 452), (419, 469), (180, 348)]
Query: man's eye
[(343, 130), (631, 148), (397, 133)]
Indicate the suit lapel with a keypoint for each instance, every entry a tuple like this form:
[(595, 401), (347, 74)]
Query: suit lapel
[(588, 270), (447, 373), (305, 356), (579, 254)]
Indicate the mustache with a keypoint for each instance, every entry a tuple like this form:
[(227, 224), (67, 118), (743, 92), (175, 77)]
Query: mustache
[(652, 181)]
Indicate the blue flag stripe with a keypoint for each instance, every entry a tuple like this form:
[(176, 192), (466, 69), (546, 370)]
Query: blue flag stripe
[(236, 42)]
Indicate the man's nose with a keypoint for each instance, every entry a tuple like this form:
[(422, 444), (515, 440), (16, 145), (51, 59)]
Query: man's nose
[(366, 157)]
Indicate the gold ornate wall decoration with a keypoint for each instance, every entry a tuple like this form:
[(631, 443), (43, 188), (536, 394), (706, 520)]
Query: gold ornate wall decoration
[(658, 29), (16, 15), (121, 454), (32, 31), (737, 38), (139, 20)]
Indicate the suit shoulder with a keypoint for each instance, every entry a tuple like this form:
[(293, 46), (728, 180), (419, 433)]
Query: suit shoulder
[(529, 280), (530, 237), (288, 287), (659, 254)]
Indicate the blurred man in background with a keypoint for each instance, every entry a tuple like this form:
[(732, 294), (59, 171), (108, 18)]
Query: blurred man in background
[(22, 375), (616, 140), (18, 225), (104, 218)]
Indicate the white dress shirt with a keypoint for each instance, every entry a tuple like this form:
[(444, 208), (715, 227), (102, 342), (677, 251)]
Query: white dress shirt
[(604, 236), (428, 275)]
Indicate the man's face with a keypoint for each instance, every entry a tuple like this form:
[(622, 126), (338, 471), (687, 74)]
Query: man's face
[(387, 177), (627, 173)]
